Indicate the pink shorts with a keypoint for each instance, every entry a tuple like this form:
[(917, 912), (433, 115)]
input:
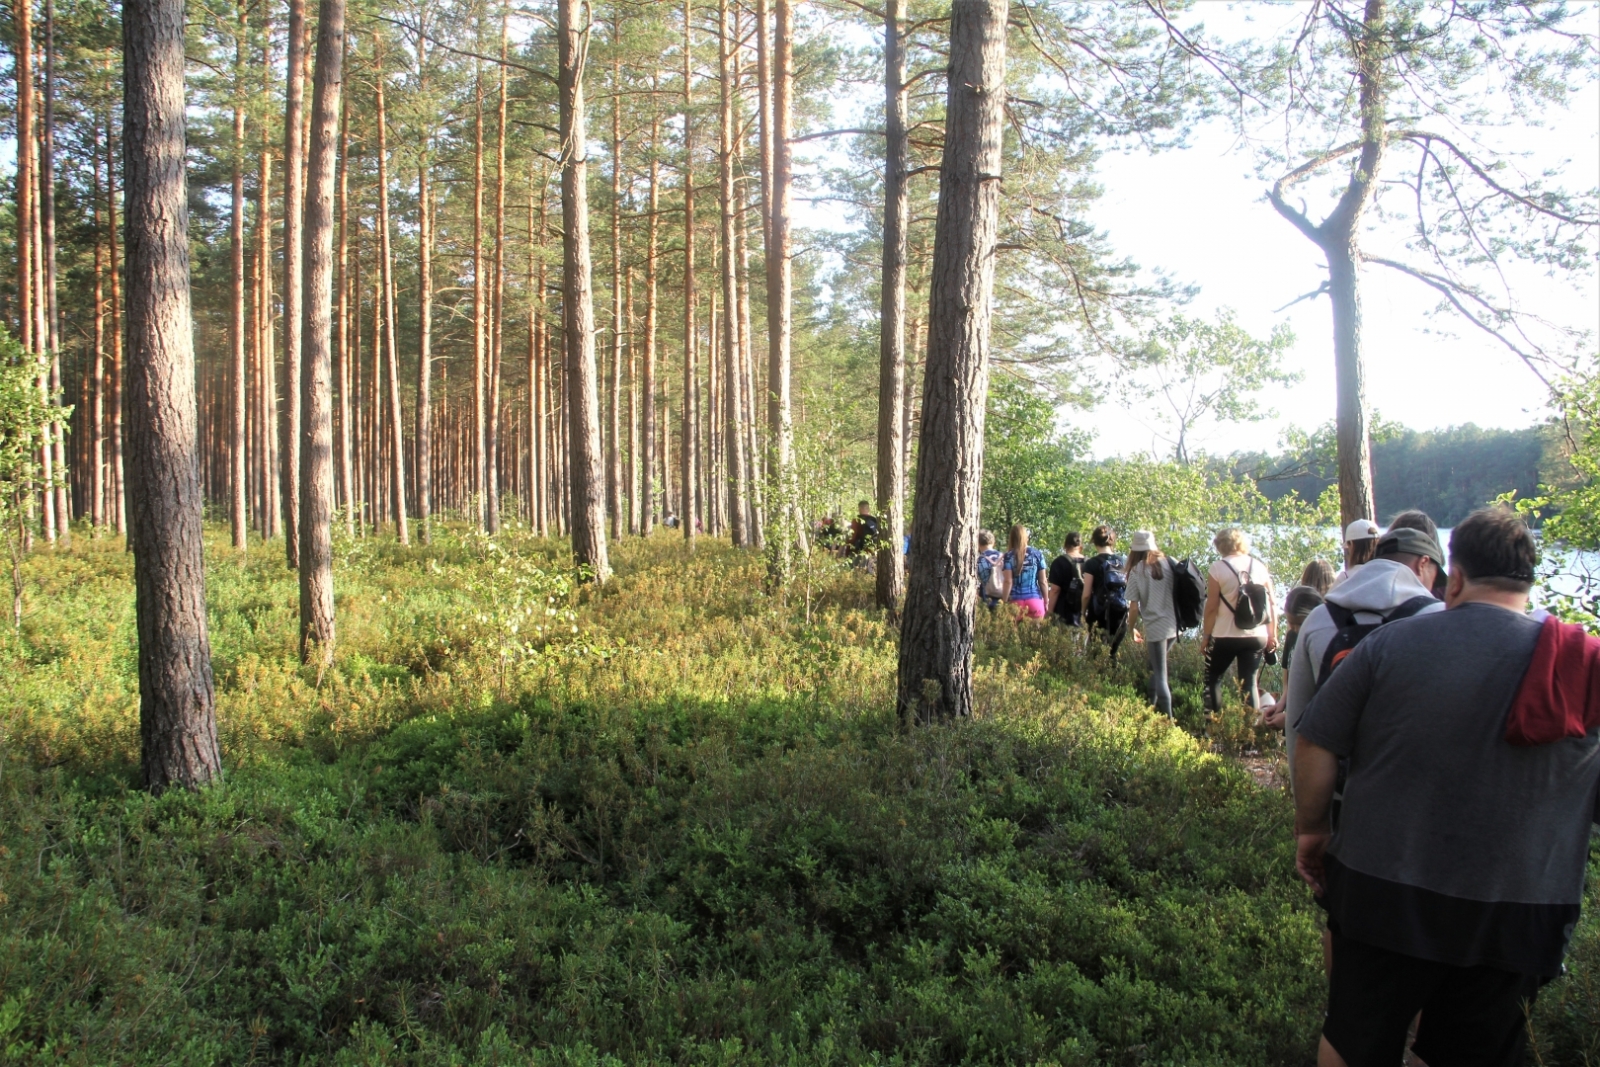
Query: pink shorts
[(1032, 607)]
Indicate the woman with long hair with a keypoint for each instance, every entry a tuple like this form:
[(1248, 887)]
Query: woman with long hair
[(1318, 575), (1025, 574), (1150, 582)]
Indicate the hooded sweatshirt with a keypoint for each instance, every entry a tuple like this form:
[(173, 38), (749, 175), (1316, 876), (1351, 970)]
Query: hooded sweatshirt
[(1371, 590)]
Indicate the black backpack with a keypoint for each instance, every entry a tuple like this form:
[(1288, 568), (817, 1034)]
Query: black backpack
[(1110, 587), (1188, 594), (1250, 602), (1350, 633)]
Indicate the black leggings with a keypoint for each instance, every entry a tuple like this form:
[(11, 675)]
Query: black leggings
[(1224, 651)]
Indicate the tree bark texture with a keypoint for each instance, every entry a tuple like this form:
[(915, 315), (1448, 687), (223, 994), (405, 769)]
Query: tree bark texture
[(935, 670), (690, 413), (583, 402), (293, 275), (891, 579), (647, 428), (177, 700), (316, 378)]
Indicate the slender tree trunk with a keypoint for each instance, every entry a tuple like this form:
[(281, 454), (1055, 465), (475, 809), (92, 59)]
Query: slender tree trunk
[(396, 421), (587, 478), (648, 427), (632, 483), (119, 485), (26, 186), (614, 415), (497, 303), (47, 218), (425, 353), (97, 430), (780, 440), (732, 405), (479, 324), (177, 710), (892, 320), (241, 369), (316, 380), (293, 277), (691, 381), (935, 678), (343, 351)]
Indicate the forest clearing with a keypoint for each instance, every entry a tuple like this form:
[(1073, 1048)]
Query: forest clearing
[(530, 532)]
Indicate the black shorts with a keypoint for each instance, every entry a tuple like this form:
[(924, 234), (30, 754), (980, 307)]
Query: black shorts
[(1471, 1016)]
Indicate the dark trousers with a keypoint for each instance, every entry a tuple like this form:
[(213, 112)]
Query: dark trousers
[(1225, 651)]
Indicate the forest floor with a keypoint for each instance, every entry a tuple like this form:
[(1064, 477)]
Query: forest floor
[(673, 823)]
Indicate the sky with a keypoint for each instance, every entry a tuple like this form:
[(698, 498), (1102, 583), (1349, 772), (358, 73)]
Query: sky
[(1200, 215)]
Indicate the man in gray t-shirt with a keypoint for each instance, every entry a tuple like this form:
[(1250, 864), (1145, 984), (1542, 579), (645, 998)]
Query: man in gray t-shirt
[(1454, 880)]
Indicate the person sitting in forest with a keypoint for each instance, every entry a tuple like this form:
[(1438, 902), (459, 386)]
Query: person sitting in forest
[(1105, 588), (1453, 878), (1065, 603), (1025, 575), (991, 579), (1360, 540), (829, 536), (1240, 623), (1150, 583)]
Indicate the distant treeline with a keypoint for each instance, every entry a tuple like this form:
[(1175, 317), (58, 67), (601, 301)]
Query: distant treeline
[(1446, 472)]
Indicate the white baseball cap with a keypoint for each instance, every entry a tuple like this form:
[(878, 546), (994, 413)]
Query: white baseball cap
[(1362, 530)]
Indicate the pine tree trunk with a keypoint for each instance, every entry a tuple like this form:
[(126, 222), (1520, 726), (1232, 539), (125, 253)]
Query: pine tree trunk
[(343, 351), (97, 424), (293, 277), (480, 355), (22, 26), (241, 369), (892, 320), (690, 475), (497, 304), (614, 415), (583, 414), (785, 534), (391, 347), (119, 483), (651, 458), (47, 218), (935, 675), (316, 401), (632, 483), (177, 705), (732, 407), (425, 354)]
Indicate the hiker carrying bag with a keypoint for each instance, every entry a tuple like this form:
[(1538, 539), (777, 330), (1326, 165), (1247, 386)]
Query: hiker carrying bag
[(1250, 602), (1110, 588), (1188, 594), (994, 585), (1350, 633)]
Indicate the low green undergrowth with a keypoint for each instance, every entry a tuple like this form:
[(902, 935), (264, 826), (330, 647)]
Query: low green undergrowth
[(692, 832)]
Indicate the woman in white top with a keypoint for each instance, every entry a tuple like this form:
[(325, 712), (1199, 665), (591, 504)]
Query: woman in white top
[(1150, 579), (1223, 641)]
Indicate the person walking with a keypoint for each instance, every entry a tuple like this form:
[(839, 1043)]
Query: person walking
[(1152, 619), (991, 579), (1241, 618), (1066, 581), (1360, 541), (1025, 575), (1318, 575), (1454, 878), (1397, 582), (1105, 588)]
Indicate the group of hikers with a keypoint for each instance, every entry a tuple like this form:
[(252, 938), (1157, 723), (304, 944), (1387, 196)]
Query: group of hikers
[(1443, 744)]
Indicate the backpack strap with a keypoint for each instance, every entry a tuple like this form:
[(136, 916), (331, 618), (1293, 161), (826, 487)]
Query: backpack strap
[(1234, 607)]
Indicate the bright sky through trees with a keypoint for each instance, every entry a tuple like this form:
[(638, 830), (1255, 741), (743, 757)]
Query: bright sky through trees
[(1201, 216)]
